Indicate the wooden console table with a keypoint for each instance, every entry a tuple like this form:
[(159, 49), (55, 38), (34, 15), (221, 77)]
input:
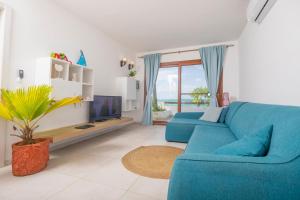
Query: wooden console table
[(69, 135)]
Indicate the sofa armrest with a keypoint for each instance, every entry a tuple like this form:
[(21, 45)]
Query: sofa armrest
[(188, 115), (207, 176)]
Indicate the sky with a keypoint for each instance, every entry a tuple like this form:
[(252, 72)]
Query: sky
[(167, 81)]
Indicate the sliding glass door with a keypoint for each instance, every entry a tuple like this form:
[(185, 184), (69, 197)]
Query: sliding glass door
[(194, 92), (165, 97), (180, 87)]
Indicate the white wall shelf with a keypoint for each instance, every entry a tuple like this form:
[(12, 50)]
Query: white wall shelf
[(126, 87), (87, 76), (74, 80), (75, 73)]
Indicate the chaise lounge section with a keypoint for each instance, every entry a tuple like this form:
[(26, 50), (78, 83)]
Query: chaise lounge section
[(200, 174), (181, 127)]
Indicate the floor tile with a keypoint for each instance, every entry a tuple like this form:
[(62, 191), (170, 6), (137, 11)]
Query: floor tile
[(84, 190), (156, 188), (37, 186), (134, 196), (113, 174), (112, 150), (77, 166), (92, 169)]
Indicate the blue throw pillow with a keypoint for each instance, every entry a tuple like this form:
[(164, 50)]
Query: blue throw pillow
[(255, 145), (223, 114)]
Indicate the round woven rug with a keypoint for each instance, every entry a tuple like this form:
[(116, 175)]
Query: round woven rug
[(152, 161)]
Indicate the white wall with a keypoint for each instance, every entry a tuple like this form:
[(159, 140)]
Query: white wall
[(231, 80), (39, 27), (269, 57), (5, 21)]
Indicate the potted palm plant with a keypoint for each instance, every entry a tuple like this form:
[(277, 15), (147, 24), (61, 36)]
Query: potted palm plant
[(25, 108)]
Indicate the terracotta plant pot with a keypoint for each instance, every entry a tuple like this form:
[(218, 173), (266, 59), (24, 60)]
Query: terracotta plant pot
[(31, 158)]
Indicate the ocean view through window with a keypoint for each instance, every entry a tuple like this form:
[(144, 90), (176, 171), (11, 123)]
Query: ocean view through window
[(180, 87), (194, 92)]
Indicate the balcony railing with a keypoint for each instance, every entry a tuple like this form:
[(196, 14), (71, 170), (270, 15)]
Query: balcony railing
[(203, 100)]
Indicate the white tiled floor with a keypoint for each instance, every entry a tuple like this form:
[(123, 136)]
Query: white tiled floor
[(91, 170)]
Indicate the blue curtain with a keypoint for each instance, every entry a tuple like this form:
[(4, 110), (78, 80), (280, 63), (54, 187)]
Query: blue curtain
[(212, 59), (152, 63)]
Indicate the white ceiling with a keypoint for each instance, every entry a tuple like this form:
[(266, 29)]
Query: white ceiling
[(147, 25)]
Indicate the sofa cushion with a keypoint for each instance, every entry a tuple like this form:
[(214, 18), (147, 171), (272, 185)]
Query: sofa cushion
[(255, 145), (188, 115), (196, 122), (206, 139), (179, 132), (212, 114), (233, 108), (181, 129), (286, 125), (245, 119)]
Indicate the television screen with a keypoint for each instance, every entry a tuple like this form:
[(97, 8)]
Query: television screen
[(105, 107)]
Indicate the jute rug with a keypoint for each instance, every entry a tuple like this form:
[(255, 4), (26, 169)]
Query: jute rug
[(151, 161)]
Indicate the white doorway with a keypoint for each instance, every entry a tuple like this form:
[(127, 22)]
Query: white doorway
[(5, 23)]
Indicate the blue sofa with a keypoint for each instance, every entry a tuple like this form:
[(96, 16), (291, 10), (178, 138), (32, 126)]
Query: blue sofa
[(200, 174)]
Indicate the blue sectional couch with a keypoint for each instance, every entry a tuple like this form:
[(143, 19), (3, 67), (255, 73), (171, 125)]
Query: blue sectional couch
[(200, 174)]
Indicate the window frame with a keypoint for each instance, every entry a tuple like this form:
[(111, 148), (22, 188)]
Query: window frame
[(179, 65)]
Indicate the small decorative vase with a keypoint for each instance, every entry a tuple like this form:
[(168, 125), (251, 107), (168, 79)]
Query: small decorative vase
[(31, 158)]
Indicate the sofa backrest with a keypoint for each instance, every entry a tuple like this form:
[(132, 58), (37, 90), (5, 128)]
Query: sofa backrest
[(249, 117), (233, 108)]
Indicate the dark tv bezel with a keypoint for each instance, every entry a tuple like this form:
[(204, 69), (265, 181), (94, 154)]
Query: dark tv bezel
[(93, 120)]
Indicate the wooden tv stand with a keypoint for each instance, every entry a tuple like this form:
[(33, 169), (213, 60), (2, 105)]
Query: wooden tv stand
[(69, 135)]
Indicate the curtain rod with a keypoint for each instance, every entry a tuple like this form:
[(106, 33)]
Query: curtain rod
[(173, 52)]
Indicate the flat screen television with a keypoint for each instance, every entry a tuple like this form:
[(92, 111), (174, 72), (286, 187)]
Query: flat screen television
[(105, 107)]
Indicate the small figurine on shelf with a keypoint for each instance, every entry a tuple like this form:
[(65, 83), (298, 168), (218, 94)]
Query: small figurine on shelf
[(63, 56), (60, 56), (55, 55), (58, 69), (82, 60)]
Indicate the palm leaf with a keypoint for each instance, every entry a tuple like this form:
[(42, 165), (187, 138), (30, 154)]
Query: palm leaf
[(4, 112), (26, 107), (28, 104), (7, 99), (41, 108), (63, 102)]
